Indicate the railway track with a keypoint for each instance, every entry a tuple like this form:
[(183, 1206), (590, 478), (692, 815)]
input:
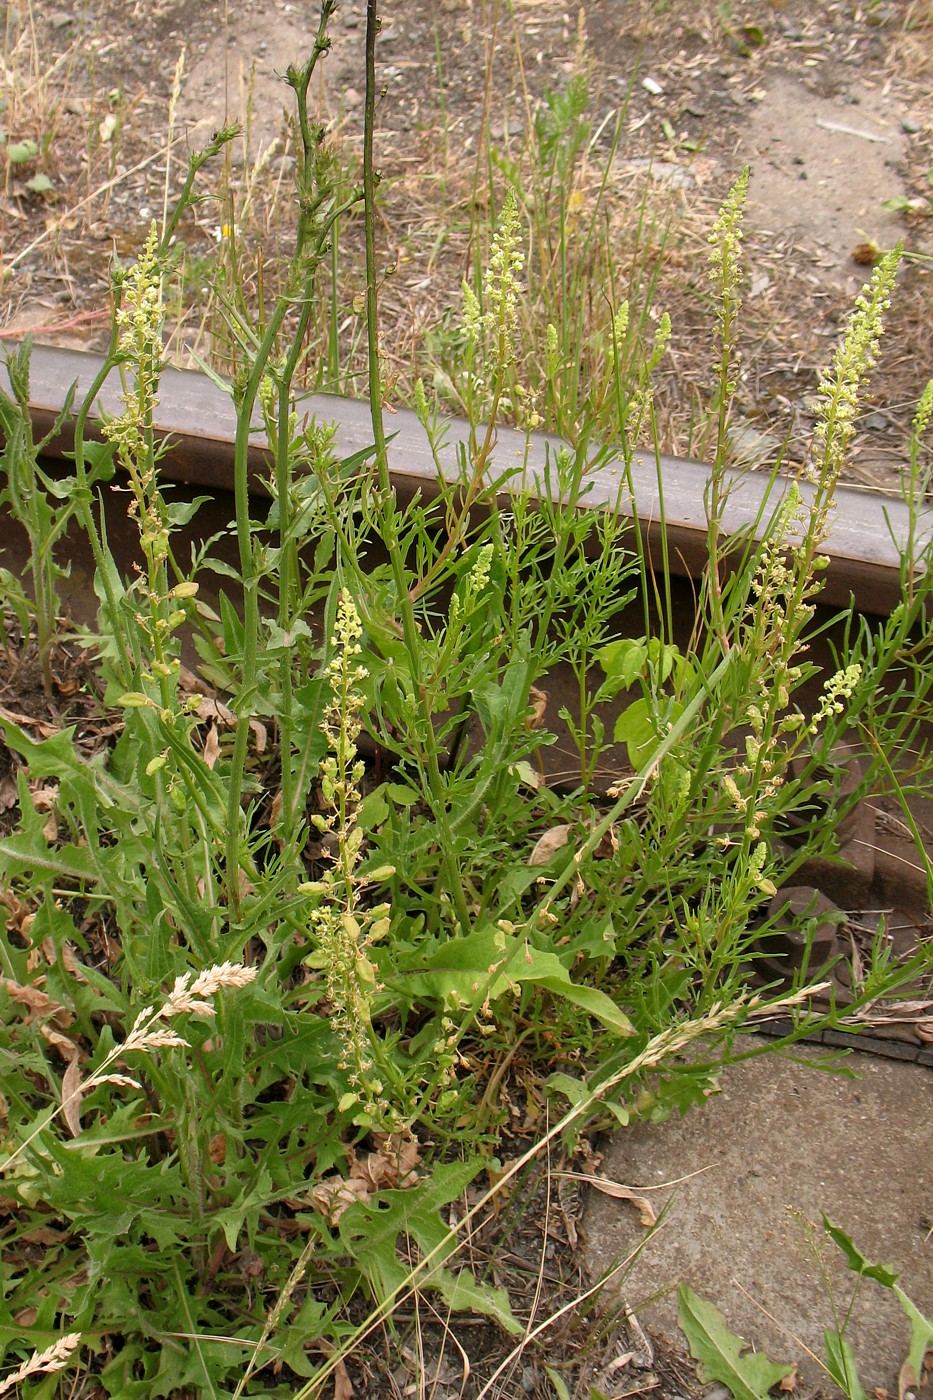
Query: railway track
[(197, 421)]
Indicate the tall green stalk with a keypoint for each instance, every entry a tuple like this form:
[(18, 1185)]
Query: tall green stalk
[(317, 214), (387, 517)]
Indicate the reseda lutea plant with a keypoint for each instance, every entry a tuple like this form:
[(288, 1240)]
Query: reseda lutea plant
[(392, 934)]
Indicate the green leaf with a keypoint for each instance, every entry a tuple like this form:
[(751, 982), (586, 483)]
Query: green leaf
[(371, 1231), (574, 1090), (637, 729), (590, 999), (856, 1260), (252, 1200), (490, 962), (623, 661), (723, 1356), (558, 1382), (22, 152), (19, 856), (840, 1361), (181, 513), (921, 1335), (39, 184)]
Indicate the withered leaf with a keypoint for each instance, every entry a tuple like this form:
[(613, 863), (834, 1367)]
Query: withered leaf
[(211, 746), (391, 1166), (44, 798), (646, 1215), (538, 700), (343, 1386), (335, 1194), (71, 1097), (37, 1002), (216, 710), (65, 1047), (548, 843)]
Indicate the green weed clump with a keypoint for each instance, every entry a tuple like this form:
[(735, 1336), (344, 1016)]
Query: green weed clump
[(373, 938)]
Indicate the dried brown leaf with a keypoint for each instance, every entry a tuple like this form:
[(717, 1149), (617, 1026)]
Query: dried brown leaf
[(65, 1047), (548, 843), (44, 1235), (343, 1386), (391, 1166), (44, 730), (924, 1030), (394, 1164), (70, 960), (18, 910), (335, 1194), (45, 954), (45, 798), (646, 1215), (71, 1097), (539, 699), (36, 1001), (211, 746), (188, 682), (216, 710)]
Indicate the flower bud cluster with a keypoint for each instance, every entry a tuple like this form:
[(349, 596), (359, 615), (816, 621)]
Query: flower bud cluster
[(343, 930)]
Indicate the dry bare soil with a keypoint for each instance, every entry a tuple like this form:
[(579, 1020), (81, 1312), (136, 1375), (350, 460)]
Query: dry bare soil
[(829, 102)]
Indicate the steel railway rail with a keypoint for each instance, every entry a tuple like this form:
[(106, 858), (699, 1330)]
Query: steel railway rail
[(197, 421)]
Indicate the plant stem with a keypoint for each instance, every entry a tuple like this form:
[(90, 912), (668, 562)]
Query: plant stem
[(388, 519), (314, 223)]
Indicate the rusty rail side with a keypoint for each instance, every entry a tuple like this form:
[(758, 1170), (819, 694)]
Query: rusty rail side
[(199, 420)]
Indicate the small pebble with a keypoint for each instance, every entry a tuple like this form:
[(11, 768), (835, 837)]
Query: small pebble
[(649, 84), (910, 125), (60, 19), (877, 422)]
